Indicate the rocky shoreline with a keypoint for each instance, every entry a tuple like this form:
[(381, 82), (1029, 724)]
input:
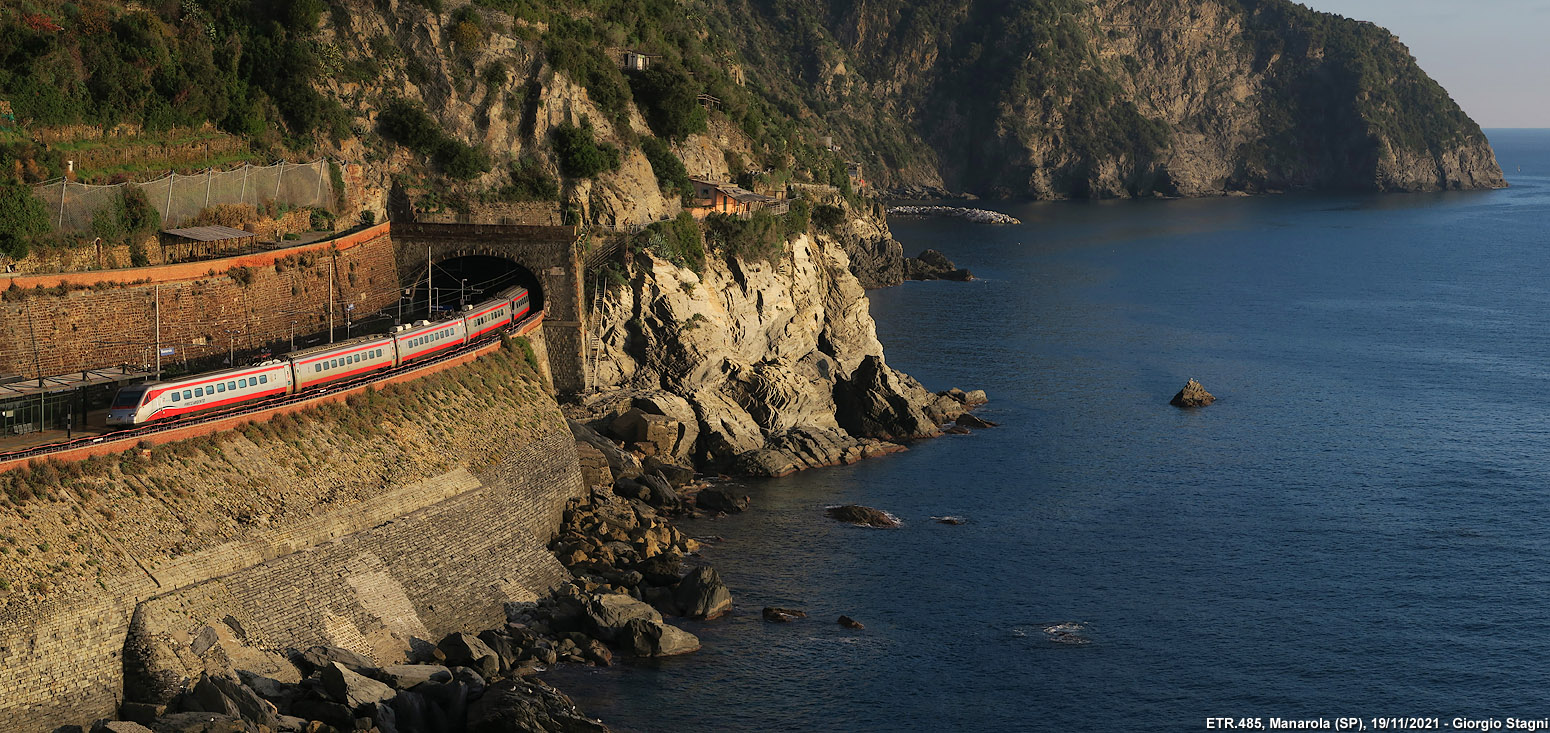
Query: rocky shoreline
[(978, 216), (631, 572)]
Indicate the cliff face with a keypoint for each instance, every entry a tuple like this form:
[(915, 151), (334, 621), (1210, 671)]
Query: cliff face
[(763, 367), (1115, 98)]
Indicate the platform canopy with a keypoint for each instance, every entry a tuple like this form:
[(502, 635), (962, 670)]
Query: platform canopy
[(29, 386)]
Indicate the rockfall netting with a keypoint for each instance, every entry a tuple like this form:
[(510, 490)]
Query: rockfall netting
[(180, 198)]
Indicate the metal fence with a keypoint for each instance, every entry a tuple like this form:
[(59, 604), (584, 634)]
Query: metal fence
[(180, 198)]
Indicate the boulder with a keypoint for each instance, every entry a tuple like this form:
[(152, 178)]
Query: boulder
[(118, 726), (353, 690), (221, 694), (325, 711), (677, 476), (728, 429), (721, 499), (517, 706), (459, 649), (849, 623), (202, 723), (782, 615), (862, 515), (505, 647), (975, 397), (660, 569), (610, 612), (319, 657), (969, 420), (645, 638), (1193, 395), (661, 494), (598, 653), (667, 437), (948, 520), (405, 676), (141, 712), (702, 595)]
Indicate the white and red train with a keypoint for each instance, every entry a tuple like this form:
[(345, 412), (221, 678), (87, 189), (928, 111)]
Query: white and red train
[(146, 402)]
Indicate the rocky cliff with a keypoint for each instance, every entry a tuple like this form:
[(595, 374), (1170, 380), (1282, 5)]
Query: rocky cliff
[(754, 366), (1116, 98)]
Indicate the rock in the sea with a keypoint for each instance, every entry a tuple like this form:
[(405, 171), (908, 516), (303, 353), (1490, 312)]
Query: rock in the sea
[(969, 420), (782, 615), (850, 623), (702, 595), (863, 515), (352, 690), (948, 520), (933, 265), (721, 499), (1193, 395), (645, 638)]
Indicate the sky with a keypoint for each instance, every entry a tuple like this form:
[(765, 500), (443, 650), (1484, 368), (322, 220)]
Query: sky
[(1493, 56)]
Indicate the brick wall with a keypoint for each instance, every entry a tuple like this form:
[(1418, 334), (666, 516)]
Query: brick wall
[(260, 299)]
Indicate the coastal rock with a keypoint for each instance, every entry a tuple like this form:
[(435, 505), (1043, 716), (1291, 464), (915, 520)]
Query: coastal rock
[(611, 612), (949, 520), (721, 499), (319, 657), (221, 694), (849, 623), (118, 726), (1193, 395), (405, 676), (353, 690), (878, 402), (645, 638), (702, 595), (778, 615), (969, 420), (202, 723), (862, 515), (527, 706), (459, 649), (660, 569), (933, 265)]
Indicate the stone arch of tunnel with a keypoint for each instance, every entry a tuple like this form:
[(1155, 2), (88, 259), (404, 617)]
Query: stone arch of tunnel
[(544, 259), (468, 279)]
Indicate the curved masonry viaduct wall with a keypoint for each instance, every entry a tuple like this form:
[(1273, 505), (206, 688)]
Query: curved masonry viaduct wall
[(410, 565)]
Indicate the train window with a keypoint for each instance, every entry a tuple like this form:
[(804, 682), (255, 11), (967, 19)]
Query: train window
[(221, 387), (188, 394), (242, 383), (231, 385), (263, 378), (199, 391), (174, 396)]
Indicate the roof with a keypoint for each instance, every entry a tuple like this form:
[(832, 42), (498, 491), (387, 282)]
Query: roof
[(736, 193), (67, 382), (212, 233)]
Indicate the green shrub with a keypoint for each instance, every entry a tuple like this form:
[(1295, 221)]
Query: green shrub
[(828, 217), (679, 241), (21, 213), (668, 99), (530, 182), (581, 156), (408, 124), (672, 177)]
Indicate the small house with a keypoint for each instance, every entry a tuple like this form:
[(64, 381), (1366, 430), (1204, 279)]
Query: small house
[(713, 197), (635, 61)]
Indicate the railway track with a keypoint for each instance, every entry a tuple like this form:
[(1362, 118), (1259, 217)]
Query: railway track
[(125, 434)]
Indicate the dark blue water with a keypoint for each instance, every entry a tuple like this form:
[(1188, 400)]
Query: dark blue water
[(1359, 526)]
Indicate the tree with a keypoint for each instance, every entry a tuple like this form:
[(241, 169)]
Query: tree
[(669, 98), (581, 156)]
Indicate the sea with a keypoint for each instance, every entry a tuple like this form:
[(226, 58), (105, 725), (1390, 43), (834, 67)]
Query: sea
[(1357, 530)]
